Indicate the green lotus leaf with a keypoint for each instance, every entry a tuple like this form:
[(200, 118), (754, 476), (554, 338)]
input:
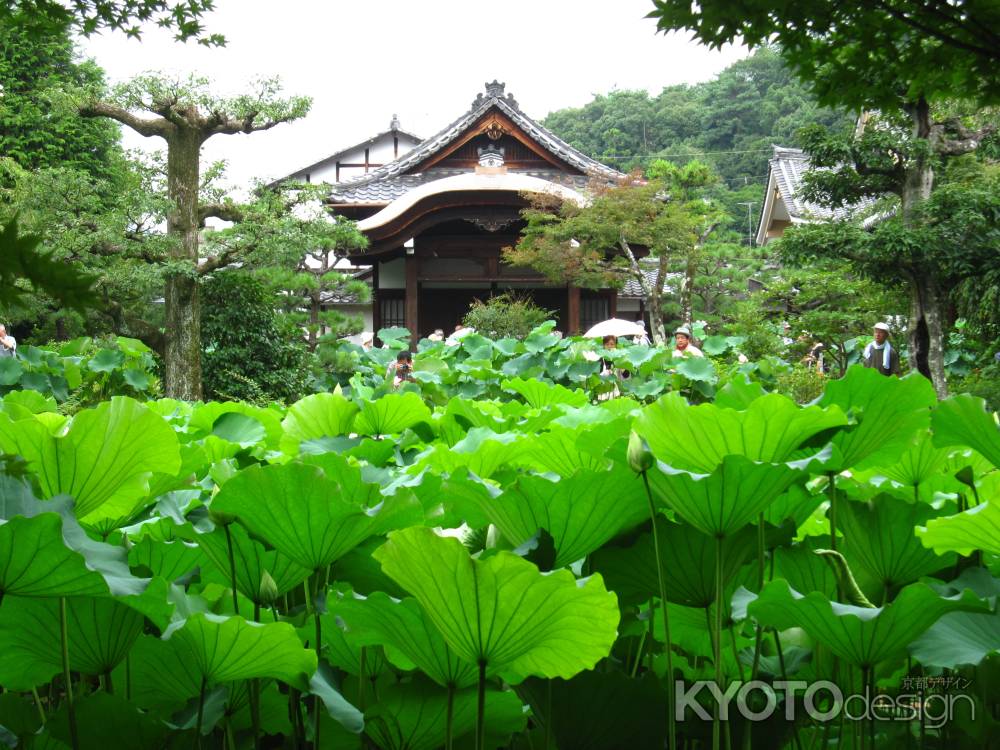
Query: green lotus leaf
[(696, 438), (560, 450), (251, 562), (106, 360), (303, 513), (964, 420), (962, 638), (240, 429), (918, 464), (106, 720), (738, 393), (863, 636), (44, 551), (688, 559), (321, 684), (11, 371), (413, 716), (539, 394), (698, 369), (217, 650), (137, 378), (391, 414), (407, 634), (727, 499), (976, 528), (797, 504), (600, 710), (317, 416), (581, 512), (886, 415), (100, 634), (168, 560), (502, 612), (482, 452), (105, 459), (880, 545), (804, 569), (204, 417), (32, 401)]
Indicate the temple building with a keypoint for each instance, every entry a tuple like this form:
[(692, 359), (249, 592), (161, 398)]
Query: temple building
[(439, 213)]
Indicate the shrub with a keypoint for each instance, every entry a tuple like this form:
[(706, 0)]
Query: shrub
[(250, 353), (506, 315)]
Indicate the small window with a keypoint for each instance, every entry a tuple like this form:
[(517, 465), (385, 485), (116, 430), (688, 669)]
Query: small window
[(593, 310), (393, 312)]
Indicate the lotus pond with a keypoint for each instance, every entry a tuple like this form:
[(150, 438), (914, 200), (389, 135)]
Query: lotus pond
[(523, 569)]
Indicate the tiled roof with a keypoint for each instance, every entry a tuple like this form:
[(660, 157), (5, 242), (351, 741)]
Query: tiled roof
[(387, 189), (632, 288), (494, 97), (788, 165)]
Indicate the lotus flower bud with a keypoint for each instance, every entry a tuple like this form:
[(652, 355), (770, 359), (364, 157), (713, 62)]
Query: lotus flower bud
[(640, 459), (268, 591)]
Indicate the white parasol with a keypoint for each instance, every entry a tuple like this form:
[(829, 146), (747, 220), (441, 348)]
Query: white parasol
[(615, 327)]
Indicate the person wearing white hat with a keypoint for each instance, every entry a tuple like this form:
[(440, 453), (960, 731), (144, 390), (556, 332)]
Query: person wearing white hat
[(683, 346), (880, 354)]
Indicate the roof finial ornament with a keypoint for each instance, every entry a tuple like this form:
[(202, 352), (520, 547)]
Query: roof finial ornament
[(394, 123), (495, 89)]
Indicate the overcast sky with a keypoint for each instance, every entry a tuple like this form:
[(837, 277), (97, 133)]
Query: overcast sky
[(363, 61)]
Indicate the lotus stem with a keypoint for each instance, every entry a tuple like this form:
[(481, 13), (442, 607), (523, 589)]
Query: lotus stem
[(232, 568), (671, 719), (481, 708), (832, 492), (312, 599), (255, 694), (70, 710), (548, 715), (784, 676), (449, 716), (717, 640), (201, 713), (758, 630), (736, 652), (38, 704)]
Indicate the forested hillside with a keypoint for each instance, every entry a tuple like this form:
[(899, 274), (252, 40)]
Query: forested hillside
[(729, 122)]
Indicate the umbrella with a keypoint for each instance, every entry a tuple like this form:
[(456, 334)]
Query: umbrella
[(615, 327)]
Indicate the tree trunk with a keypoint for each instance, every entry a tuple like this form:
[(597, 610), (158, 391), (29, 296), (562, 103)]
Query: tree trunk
[(655, 303), (926, 329), (182, 355), (687, 289), (313, 333)]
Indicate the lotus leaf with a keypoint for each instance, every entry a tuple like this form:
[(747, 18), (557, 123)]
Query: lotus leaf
[(501, 611)]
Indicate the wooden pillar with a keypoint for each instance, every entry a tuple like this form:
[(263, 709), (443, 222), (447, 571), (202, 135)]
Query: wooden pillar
[(572, 310), (412, 324), (376, 299), (613, 304)]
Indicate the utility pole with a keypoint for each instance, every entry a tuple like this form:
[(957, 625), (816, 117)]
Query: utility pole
[(749, 205)]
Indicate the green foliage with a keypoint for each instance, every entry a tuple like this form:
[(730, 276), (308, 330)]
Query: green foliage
[(855, 53), (505, 315), (38, 129), (345, 539), (250, 353)]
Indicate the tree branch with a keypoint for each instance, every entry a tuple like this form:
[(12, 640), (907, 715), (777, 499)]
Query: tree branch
[(242, 125), (224, 211), (215, 263), (146, 332), (160, 127)]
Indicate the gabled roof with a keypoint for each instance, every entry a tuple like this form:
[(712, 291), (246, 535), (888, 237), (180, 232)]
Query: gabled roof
[(787, 167), (396, 172), (393, 130)]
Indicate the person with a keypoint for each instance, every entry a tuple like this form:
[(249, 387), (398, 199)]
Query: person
[(8, 346), (367, 340), (401, 370), (682, 344), (438, 335), (813, 360), (880, 354)]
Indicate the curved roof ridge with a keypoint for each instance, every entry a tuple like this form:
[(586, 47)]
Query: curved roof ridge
[(493, 98)]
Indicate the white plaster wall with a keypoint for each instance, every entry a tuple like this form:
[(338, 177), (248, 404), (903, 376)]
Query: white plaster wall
[(392, 274)]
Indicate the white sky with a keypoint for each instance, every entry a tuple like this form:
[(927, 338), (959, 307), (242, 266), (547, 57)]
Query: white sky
[(361, 62)]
